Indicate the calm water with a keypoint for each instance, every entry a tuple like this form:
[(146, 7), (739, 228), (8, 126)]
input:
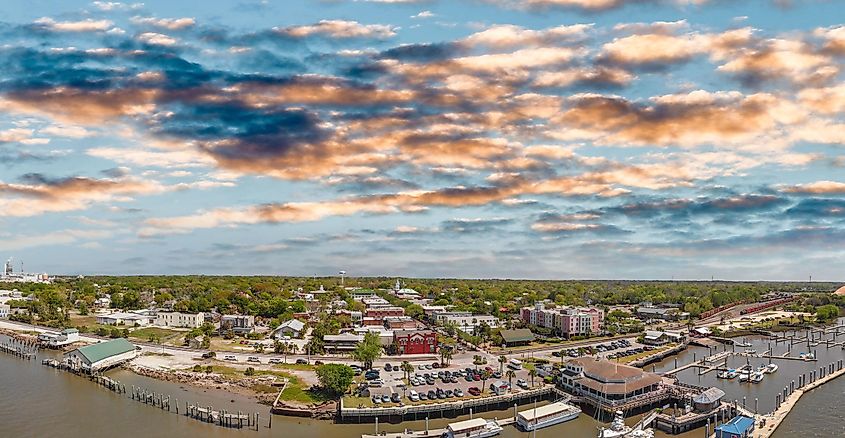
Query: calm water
[(37, 401)]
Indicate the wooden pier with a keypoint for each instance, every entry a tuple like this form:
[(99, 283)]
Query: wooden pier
[(18, 348)]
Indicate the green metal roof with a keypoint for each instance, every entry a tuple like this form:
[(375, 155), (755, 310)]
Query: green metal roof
[(518, 335), (98, 352)]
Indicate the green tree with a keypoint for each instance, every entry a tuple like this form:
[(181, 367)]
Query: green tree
[(827, 312), (335, 378), (250, 371), (368, 350), (510, 374), (532, 373), (502, 360)]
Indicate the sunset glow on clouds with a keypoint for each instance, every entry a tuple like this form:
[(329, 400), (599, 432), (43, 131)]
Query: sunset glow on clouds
[(542, 138)]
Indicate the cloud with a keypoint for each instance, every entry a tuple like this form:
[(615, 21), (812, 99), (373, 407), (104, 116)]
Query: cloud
[(116, 6), (54, 238), (87, 25), (165, 23), (157, 39), (586, 5), (509, 35), (340, 29), (816, 188)]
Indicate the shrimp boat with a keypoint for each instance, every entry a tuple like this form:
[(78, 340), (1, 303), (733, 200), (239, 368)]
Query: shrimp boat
[(771, 368), (548, 415), (476, 428), (727, 374), (617, 429)]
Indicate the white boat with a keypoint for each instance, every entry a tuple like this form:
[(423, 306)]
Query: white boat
[(644, 433), (770, 368), (750, 351), (475, 428), (617, 427), (744, 377), (756, 377), (807, 356), (742, 344), (546, 416), (727, 374)]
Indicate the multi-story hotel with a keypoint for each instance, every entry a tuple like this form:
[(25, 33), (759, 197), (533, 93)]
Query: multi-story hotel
[(567, 321)]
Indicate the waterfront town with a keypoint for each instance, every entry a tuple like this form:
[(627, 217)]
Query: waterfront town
[(387, 355)]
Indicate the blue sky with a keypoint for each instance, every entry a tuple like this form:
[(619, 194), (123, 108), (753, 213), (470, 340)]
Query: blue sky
[(469, 138)]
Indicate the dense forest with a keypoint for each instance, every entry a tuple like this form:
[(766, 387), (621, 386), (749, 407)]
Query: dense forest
[(272, 298)]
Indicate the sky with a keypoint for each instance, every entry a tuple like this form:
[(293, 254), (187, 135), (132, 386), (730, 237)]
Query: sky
[(547, 139)]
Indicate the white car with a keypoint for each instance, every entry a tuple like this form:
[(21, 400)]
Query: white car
[(376, 383), (522, 383), (414, 396), (274, 361), (253, 359), (230, 358)]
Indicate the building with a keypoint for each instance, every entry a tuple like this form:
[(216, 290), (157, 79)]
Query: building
[(139, 318), (179, 319), (400, 323), (648, 311), (657, 338), (58, 340), (4, 311), (342, 343), (499, 387), (708, 400), (384, 312), (739, 427), (98, 357), (355, 317), (513, 338), (103, 302), (292, 329), (373, 302), (239, 324), (604, 381), (466, 321), (566, 321), (415, 341)]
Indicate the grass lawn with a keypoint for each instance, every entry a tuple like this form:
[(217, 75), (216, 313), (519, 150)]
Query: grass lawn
[(165, 335), (294, 391), (295, 366)]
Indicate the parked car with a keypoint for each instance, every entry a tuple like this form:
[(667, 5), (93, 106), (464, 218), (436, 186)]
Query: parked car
[(376, 399), (474, 391), (385, 398), (376, 383), (302, 362), (413, 396), (522, 383), (253, 359), (208, 355), (459, 393), (231, 358), (274, 360), (423, 396), (432, 395), (395, 397), (388, 367)]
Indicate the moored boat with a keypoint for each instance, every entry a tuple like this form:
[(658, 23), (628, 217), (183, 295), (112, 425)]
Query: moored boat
[(756, 377), (727, 374), (546, 416), (475, 428), (770, 368), (617, 427)]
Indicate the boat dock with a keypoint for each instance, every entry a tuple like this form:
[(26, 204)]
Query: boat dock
[(19, 346), (789, 397), (451, 409)]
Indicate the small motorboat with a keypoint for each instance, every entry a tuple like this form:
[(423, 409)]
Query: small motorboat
[(727, 374), (770, 368), (744, 377), (756, 377)]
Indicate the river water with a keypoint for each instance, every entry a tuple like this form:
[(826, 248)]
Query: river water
[(38, 401)]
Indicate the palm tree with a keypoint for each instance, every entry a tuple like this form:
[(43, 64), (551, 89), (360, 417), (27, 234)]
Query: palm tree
[(484, 376), (502, 360), (510, 375), (407, 369), (445, 356), (532, 373), (561, 356)]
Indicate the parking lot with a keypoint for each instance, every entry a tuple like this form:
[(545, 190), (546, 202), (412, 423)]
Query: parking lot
[(605, 350), (452, 386)]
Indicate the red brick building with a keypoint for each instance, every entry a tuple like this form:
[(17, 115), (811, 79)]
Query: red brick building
[(383, 312), (415, 341)]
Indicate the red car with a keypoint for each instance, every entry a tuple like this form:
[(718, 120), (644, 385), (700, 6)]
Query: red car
[(474, 391), (476, 377)]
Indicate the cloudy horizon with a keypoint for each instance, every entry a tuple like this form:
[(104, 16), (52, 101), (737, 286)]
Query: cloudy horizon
[(541, 139)]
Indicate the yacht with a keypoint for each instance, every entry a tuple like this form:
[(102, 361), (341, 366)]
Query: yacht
[(546, 416), (475, 428), (770, 368), (617, 428), (756, 377), (727, 374)]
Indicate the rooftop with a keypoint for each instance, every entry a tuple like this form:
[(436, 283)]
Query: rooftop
[(97, 352), (711, 395), (738, 425), (614, 378)]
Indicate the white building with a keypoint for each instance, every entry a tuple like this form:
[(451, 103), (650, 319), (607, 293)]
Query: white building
[(97, 357), (4, 311), (103, 302), (179, 319), (239, 324), (141, 318), (291, 329), (56, 340), (466, 321)]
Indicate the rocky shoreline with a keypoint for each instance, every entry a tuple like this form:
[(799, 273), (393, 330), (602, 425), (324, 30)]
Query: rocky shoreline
[(242, 386)]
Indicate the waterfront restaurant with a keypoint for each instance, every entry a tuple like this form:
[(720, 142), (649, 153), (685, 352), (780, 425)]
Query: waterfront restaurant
[(607, 382)]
